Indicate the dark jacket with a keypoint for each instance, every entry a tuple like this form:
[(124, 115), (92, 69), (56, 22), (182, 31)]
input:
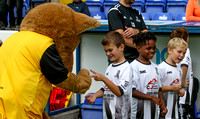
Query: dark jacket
[(80, 7)]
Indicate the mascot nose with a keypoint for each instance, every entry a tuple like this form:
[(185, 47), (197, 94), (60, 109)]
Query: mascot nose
[(86, 24)]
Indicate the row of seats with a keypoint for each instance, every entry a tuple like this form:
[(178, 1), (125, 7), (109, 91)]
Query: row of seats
[(147, 6), (164, 16), (146, 16)]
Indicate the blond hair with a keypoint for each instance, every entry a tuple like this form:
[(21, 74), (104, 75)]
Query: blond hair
[(177, 42)]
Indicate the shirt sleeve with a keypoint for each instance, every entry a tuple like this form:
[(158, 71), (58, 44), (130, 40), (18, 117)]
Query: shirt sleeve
[(114, 20), (125, 80), (135, 79), (86, 10), (186, 59), (52, 66), (143, 25), (162, 75), (160, 79)]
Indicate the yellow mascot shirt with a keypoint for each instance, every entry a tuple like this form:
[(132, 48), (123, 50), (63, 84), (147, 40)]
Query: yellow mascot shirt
[(24, 90)]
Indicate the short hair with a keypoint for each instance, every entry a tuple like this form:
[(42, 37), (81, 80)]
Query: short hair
[(141, 38), (180, 32), (177, 42), (113, 37)]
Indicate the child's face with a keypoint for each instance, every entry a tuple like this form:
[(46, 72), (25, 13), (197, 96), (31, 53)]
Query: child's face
[(113, 52), (177, 54), (148, 50)]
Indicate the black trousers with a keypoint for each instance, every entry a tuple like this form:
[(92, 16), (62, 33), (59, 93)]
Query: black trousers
[(186, 111), (3, 12), (19, 6)]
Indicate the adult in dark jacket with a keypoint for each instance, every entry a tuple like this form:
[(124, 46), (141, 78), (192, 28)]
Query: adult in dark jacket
[(3, 13), (128, 22), (79, 6)]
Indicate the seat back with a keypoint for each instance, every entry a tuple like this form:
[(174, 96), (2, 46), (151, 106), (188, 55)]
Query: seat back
[(94, 5), (175, 9), (98, 15), (162, 16), (145, 16), (180, 17)]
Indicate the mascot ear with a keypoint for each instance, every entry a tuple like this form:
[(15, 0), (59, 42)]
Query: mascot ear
[(86, 24)]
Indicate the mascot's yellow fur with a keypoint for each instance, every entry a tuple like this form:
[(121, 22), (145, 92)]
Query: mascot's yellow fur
[(24, 89)]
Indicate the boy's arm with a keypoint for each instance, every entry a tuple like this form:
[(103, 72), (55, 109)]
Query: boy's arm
[(175, 87), (162, 104), (92, 97), (139, 95), (114, 88), (183, 81)]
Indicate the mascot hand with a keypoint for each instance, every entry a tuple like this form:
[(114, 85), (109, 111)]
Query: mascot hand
[(77, 83)]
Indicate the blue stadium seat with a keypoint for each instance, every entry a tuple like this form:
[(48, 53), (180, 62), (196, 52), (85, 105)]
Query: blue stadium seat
[(162, 17), (145, 16), (176, 6), (36, 1), (98, 15), (94, 5), (25, 7), (27, 2), (139, 5), (108, 4), (153, 6), (180, 17)]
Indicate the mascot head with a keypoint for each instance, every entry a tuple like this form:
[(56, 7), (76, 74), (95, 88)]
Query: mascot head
[(60, 23)]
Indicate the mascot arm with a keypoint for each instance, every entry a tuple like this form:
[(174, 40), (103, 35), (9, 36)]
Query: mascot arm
[(54, 70), (77, 83)]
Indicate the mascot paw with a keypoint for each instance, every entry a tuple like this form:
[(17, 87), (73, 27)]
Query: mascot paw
[(77, 83)]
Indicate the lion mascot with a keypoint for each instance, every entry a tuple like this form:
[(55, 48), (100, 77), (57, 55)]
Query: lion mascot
[(39, 55)]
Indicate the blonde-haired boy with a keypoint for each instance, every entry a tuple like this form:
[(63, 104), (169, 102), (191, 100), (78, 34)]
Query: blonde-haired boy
[(171, 76)]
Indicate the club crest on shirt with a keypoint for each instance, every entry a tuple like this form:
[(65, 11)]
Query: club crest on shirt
[(117, 74), (126, 84), (137, 19), (188, 59), (153, 84), (156, 70), (133, 24), (77, 8), (180, 73)]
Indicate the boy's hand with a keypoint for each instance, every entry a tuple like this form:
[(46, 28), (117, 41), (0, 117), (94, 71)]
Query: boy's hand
[(90, 98), (181, 93), (176, 87), (163, 108), (97, 76), (155, 100)]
